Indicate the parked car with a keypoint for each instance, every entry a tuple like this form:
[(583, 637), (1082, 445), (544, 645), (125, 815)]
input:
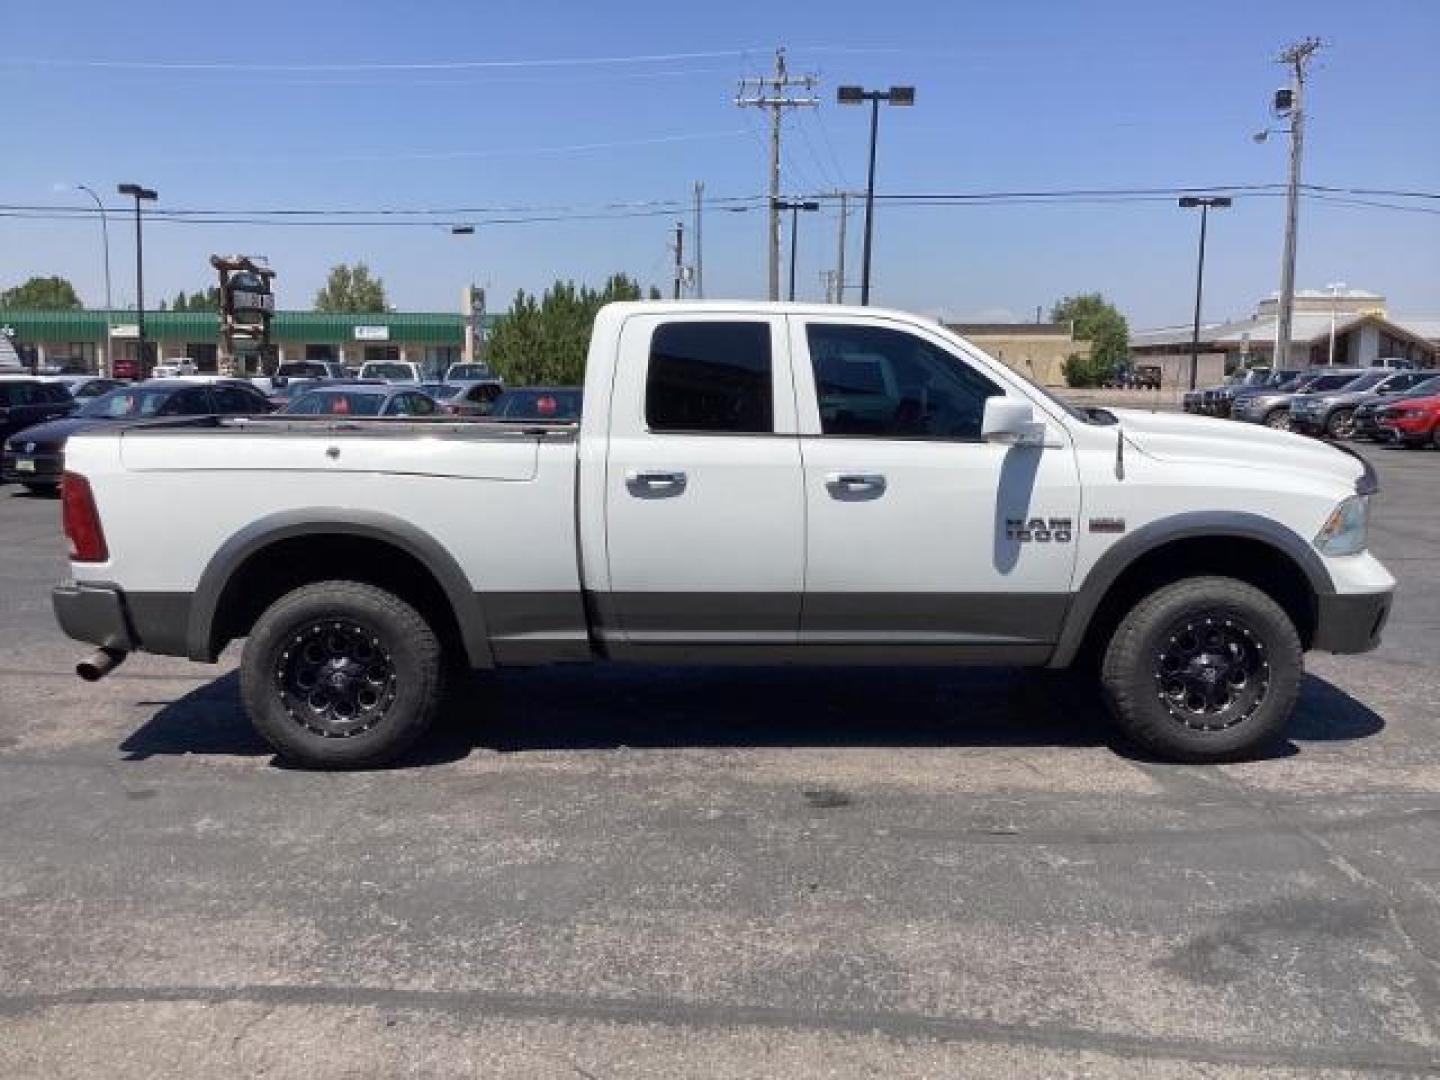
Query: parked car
[(1413, 422), (1333, 414), (464, 398), (129, 370), (469, 373), (309, 369), (36, 457), (392, 371), (281, 394), (27, 402), (79, 387), (363, 399), (713, 508), (538, 403), (175, 368), (1219, 399), (1367, 424), (1271, 406)]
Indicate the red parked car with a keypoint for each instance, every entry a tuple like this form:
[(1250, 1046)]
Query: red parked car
[(1413, 422)]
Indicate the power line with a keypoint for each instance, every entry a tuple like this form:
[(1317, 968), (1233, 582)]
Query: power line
[(433, 65), (426, 217)]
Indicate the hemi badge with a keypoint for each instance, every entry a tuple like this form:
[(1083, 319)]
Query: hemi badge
[(1107, 525)]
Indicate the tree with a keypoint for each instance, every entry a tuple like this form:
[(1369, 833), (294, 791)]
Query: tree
[(200, 300), (1099, 322), (544, 341), (42, 294), (351, 288)]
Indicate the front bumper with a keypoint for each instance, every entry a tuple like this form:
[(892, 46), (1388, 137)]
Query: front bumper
[(1350, 622), (94, 613)]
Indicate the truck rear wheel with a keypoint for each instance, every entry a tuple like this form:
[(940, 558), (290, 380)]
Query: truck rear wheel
[(341, 675), (1205, 669)]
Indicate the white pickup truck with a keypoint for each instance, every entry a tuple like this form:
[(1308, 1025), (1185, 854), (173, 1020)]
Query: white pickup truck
[(748, 483)]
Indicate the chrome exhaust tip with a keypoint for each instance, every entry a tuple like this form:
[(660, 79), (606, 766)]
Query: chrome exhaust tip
[(100, 663)]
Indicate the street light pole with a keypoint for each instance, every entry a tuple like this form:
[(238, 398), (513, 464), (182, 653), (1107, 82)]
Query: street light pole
[(104, 235), (1335, 288), (140, 194), (794, 207), (1189, 202), (854, 95)]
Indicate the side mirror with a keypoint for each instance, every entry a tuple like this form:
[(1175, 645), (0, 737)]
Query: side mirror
[(1011, 421)]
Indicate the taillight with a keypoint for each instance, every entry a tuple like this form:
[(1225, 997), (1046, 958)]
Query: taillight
[(81, 520)]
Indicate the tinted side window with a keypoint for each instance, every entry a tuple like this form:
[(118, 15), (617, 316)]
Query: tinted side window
[(17, 393), (883, 383), (710, 376), (55, 394), (230, 399), (188, 403)]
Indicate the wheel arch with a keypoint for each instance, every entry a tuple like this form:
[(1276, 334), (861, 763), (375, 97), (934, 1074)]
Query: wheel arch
[(1248, 547), (407, 555)]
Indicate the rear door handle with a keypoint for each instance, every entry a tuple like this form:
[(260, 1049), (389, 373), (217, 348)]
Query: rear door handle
[(854, 483), (655, 481)]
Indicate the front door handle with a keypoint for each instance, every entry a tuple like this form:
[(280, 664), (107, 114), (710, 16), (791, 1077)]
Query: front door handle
[(855, 484), (655, 481)]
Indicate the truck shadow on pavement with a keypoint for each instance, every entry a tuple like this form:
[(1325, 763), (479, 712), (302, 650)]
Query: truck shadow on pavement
[(606, 707)]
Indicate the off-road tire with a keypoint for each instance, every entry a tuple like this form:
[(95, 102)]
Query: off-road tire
[(404, 648), (1133, 674)]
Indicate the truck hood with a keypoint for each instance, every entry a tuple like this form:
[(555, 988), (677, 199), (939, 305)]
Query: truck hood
[(1196, 439)]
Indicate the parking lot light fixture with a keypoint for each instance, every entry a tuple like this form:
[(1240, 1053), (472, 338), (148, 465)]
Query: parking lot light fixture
[(858, 95), (1204, 202), (139, 194)]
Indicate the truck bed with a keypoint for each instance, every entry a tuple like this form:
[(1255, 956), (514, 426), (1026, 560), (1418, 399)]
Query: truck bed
[(497, 498)]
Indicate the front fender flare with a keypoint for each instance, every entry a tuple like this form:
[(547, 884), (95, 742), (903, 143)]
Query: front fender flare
[(1213, 523)]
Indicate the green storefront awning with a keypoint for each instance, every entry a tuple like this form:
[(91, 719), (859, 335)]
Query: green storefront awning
[(300, 327)]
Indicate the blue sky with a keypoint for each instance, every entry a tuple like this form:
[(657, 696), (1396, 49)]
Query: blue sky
[(1011, 96)]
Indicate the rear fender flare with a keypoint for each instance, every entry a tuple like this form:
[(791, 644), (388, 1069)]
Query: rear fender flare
[(258, 535)]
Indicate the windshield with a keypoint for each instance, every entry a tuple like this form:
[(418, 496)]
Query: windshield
[(442, 390), (129, 402), (336, 403), (310, 368), (468, 371), (1322, 383), (387, 371)]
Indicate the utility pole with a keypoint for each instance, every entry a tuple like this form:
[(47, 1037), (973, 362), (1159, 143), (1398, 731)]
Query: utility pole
[(840, 252), (1297, 57), (699, 280), (771, 92), (679, 257)]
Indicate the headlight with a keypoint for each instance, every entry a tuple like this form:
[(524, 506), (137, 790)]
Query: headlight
[(1346, 530)]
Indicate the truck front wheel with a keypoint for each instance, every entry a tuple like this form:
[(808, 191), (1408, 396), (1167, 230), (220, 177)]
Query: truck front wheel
[(341, 675), (1205, 669)]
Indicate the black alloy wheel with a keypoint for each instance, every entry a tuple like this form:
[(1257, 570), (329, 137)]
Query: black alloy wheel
[(1211, 671)]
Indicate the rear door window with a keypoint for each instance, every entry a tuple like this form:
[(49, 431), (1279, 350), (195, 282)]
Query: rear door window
[(710, 377)]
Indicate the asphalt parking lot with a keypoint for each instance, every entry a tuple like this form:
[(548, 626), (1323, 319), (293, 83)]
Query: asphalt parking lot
[(623, 873)]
